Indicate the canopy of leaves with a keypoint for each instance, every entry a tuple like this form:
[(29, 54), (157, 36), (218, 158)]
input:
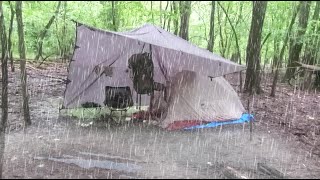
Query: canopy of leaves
[(132, 14)]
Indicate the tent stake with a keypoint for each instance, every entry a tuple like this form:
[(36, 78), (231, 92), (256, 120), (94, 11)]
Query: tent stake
[(139, 102)]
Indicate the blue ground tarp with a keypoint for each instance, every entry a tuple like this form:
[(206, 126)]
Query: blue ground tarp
[(244, 118)]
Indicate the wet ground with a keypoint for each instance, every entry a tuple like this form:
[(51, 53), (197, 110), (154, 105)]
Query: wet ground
[(58, 147)]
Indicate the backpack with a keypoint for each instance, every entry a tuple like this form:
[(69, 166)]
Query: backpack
[(141, 66)]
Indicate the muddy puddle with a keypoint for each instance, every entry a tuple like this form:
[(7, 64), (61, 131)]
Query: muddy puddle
[(92, 163)]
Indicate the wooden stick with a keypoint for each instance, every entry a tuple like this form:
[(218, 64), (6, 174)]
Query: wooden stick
[(274, 173), (231, 173), (307, 66)]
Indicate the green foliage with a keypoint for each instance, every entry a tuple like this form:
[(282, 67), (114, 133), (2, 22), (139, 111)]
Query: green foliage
[(131, 14)]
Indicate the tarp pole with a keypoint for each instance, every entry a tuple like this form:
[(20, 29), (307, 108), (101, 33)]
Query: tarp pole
[(139, 102), (251, 121), (152, 93)]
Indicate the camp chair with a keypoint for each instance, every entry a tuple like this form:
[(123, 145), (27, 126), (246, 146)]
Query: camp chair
[(118, 99)]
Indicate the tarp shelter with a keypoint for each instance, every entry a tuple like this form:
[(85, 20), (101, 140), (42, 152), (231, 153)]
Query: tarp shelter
[(195, 91)]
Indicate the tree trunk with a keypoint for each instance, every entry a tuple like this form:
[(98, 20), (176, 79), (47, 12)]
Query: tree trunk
[(165, 15), (227, 35), (317, 80), (4, 91), (252, 82), (211, 33), (10, 37), (170, 17), (275, 53), (240, 14), (64, 33), (60, 45), (185, 10), (238, 55), (115, 24), (311, 49), (295, 43), (44, 32), (22, 52), (280, 57), (151, 7), (176, 19), (222, 47), (265, 59), (233, 31), (160, 12)]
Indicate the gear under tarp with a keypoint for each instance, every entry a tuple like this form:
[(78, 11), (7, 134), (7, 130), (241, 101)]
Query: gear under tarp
[(101, 57), (195, 99)]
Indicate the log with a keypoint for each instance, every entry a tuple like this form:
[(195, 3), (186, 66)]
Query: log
[(231, 173), (310, 67), (274, 173)]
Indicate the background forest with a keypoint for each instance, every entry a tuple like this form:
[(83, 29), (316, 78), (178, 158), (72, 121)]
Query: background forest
[(278, 42), (290, 30)]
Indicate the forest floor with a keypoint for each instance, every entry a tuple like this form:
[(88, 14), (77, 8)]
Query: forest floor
[(285, 137)]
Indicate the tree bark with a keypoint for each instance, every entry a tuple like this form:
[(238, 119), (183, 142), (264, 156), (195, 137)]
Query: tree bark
[(280, 57), (151, 7), (185, 10), (234, 32), (160, 10), (64, 33), (10, 37), (238, 55), (317, 80), (22, 52), (115, 24), (170, 17), (165, 15), (176, 20), (4, 91), (211, 33), (45, 30), (295, 43), (311, 49), (265, 59), (222, 47), (227, 35), (275, 54), (252, 83)]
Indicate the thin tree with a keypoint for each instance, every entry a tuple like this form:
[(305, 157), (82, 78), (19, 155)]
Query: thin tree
[(22, 52), (175, 19), (170, 17), (221, 40), (275, 53), (114, 12), (165, 15), (228, 35), (10, 37), (185, 11), (211, 31), (296, 43), (279, 58), (311, 49), (4, 91), (64, 33), (252, 83), (238, 55), (151, 8), (44, 32), (160, 10)]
